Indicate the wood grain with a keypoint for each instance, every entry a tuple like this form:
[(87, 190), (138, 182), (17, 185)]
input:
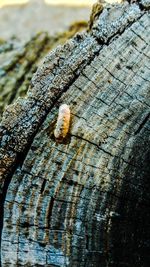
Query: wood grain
[(84, 202)]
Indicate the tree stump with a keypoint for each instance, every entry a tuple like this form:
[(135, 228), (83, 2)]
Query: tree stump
[(82, 202)]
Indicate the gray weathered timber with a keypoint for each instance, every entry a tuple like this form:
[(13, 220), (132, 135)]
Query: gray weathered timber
[(83, 202)]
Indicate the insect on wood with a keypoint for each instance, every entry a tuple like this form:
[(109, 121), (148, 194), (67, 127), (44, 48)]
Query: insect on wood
[(63, 122)]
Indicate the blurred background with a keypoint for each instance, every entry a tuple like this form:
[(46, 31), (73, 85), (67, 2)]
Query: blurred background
[(26, 17)]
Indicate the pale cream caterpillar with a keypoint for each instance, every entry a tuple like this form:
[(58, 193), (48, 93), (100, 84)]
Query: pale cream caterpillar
[(63, 122)]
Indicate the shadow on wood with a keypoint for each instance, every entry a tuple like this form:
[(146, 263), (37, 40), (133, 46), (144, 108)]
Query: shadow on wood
[(84, 203)]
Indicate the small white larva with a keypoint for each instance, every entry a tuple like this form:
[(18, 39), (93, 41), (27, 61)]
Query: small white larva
[(63, 121)]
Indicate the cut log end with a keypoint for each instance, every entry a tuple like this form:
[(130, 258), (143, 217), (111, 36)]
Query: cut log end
[(82, 203)]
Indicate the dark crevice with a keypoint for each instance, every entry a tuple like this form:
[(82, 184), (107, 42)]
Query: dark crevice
[(142, 124), (115, 77), (142, 7), (87, 242), (43, 186), (71, 182), (90, 142), (50, 212), (26, 225), (139, 37), (63, 201)]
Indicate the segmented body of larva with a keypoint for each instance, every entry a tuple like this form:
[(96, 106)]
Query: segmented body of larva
[(63, 121)]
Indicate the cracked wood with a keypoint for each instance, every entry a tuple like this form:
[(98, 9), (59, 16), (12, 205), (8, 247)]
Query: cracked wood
[(83, 203)]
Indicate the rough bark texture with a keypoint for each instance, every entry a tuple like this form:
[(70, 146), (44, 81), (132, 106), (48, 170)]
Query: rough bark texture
[(83, 202)]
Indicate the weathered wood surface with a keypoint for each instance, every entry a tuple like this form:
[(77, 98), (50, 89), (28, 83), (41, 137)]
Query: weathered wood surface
[(83, 202)]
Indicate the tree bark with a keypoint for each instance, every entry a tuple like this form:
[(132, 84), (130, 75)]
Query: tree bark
[(82, 202)]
